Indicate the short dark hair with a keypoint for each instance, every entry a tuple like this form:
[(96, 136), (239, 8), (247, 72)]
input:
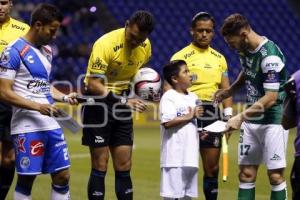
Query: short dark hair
[(233, 24), (202, 16), (46, 13), (172, 69), (144, 20)]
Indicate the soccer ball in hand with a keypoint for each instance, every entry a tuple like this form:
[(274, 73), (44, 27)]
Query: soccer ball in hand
[(147, 84)]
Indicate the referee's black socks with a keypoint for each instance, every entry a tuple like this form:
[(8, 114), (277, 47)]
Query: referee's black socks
[(96, 187), (123, 185), (210, 188)]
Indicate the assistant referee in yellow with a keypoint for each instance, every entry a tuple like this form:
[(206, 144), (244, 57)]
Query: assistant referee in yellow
[(209, 71)]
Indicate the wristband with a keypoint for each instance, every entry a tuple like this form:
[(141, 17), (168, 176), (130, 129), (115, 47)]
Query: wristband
[(227, 111), (65, 98)]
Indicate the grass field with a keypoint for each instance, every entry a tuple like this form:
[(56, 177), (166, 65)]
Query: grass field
[(145, 170)]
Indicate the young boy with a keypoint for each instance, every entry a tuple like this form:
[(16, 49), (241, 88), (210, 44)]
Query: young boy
[(179, 137)]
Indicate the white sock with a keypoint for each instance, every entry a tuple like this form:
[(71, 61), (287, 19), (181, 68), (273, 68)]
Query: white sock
[(279, 187), (58, 196), (20, 196)]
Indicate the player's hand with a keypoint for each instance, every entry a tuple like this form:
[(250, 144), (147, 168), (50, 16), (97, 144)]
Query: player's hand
[(221, 94), (137, 105), (48, 109), (199, 111), (235, 122), (71, 98), (203, 135)]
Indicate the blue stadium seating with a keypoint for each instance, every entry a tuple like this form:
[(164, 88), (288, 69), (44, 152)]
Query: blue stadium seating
[(272, 18)]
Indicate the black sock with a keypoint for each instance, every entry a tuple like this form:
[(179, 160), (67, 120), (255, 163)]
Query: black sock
[(123, 185), (6, 178), (210, 188), (96, 187)]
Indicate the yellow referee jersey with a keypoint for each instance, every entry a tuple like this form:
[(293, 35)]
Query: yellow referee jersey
[(10, 31), (206, 66), (113, 59)]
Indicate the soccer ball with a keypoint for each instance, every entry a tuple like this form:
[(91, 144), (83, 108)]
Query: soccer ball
[(147, 84)]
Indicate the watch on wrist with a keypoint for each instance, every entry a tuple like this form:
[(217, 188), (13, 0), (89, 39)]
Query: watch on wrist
[(123, 100)]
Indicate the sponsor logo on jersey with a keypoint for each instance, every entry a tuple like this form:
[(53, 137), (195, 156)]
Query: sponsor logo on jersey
[(250, 73), (25, 162), (118, 47), (189, 54), (38, 86), (3, 42), (18, 27), (99, 139), (215, 54), (276, 157), (98, 65), (19, 142), (37, 148)]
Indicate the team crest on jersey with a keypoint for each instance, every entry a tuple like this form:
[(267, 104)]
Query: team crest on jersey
[(5, 57), (37, 148), (263, 51), (25, 162)]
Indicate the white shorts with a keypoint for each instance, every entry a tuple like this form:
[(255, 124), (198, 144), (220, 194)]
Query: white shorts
[(260, 143), (178, 182)]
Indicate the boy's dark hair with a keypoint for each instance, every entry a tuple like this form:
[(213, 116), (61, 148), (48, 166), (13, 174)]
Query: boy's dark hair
[(233, 24), (202, 16), (46, 13), (172, 69), (144, 20)]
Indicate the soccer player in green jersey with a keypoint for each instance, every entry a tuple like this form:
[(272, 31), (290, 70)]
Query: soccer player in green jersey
[(262, 138)]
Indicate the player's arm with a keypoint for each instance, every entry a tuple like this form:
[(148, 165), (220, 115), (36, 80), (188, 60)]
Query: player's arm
[(222, 94), (9, 64), (271, 86), (225, 84), (61, 97)]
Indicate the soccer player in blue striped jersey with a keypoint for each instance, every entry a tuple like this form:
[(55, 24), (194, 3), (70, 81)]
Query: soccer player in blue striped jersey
[(39, 143)]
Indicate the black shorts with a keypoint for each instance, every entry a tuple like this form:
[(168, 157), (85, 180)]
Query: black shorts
[(211, 114), (107, 125), (5, 119)]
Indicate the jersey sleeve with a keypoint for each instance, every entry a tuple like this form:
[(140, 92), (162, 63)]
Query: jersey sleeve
[(99, 59), (148, 53), (271, 67), (167, 110), (9, 63), (224, 67)]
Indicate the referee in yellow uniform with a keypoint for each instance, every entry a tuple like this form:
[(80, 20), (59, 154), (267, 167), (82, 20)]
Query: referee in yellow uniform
[(10, 30), (209, 71), (115, 58)]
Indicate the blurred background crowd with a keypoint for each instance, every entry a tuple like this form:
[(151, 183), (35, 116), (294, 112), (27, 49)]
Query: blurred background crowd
[(85, 21)]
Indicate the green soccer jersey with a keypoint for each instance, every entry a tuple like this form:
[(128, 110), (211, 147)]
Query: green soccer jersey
[(264, 70)]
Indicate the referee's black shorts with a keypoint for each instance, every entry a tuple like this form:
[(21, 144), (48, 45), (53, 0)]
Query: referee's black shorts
[(107, 125), (211, 114), (5, 119)]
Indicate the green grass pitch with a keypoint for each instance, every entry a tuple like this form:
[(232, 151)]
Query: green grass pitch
[(145, 171)]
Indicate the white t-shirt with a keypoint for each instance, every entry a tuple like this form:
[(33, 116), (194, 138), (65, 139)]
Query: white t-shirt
[(179, 145), (30, 68)]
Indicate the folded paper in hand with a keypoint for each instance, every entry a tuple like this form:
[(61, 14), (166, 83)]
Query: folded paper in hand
[(67, 121), (216, 127)]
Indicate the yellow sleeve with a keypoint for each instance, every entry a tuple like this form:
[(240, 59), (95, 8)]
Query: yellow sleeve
[(224, 68), (99, 59), (175, 57), (148, 53)]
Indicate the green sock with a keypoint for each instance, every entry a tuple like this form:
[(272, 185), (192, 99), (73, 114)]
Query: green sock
[(246, 194), (279, 195)]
